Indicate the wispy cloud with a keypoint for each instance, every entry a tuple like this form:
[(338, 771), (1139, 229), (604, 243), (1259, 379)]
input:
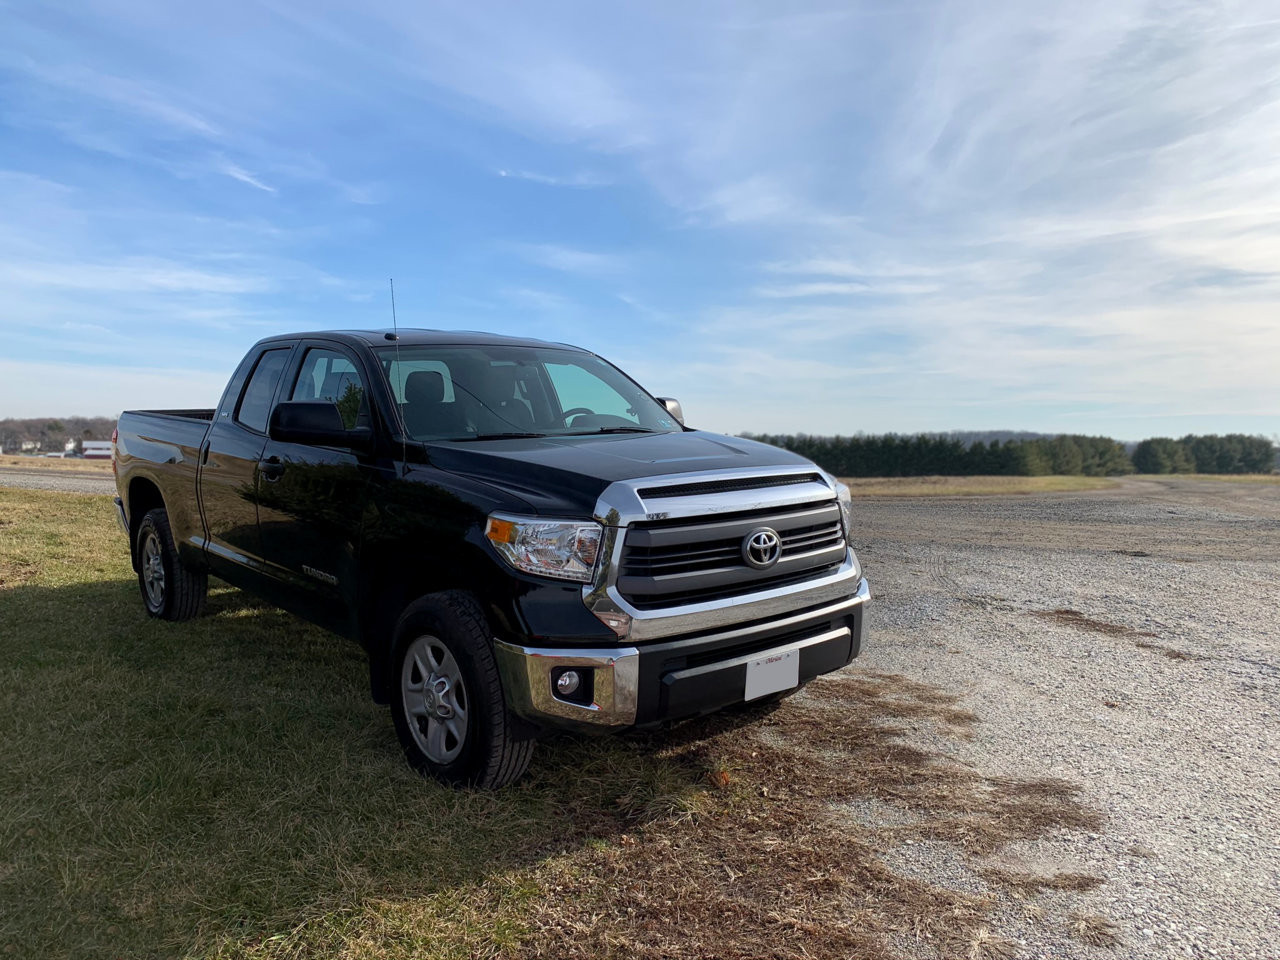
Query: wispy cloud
[(930, 214), (236, 172), (568, 259), (582, 179)]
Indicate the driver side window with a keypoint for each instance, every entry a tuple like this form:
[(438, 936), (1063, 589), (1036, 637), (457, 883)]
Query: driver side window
[(330, 375)]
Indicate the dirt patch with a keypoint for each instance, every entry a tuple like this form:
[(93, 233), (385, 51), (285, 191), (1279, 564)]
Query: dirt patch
[(1170, 652), (762, 862), (1074, 618), (15, 572)]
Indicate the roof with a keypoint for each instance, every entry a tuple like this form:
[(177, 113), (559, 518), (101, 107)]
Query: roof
[(411, 336)]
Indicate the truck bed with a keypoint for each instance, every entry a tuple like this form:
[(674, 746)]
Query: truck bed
[(205, 415)]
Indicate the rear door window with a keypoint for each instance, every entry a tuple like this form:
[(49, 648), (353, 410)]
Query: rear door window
[(255, 402)]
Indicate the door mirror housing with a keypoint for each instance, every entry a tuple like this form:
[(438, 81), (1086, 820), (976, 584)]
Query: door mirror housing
[(317, 423), (673, 408)]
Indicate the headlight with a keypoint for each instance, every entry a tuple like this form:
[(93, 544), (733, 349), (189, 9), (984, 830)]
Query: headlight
[(846, 508), (564, 549)]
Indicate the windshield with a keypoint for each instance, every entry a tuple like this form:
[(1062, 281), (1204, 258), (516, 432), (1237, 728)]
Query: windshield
[(453, 392)]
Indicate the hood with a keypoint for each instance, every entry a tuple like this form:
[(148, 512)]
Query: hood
[(566, 475)]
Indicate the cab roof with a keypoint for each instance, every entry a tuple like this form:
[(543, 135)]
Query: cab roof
[(413, 336)]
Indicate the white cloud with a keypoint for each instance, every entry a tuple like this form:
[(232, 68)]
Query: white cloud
[(31, 389), (568, 259), (582, 179), (236, 172)]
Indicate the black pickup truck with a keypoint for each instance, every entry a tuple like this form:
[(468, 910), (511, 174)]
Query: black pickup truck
[(517, 533)]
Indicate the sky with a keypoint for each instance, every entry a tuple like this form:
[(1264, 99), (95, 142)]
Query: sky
[(823, 218)]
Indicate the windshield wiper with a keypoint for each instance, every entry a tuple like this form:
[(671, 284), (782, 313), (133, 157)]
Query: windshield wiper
[(497, 436), (592, 433)]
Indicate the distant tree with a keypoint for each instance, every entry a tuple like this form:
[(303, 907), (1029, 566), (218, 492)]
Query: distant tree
[(1162, 455)]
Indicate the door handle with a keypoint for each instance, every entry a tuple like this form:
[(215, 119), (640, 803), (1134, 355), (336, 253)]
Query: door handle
[(271, 469)]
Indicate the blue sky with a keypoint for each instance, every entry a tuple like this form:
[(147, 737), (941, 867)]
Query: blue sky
[(825, 218)]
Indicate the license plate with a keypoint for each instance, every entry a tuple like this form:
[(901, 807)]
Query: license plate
[(780, 671)]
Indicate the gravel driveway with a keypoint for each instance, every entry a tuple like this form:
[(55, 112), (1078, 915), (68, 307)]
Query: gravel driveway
[(1125, 640), (65, 481)]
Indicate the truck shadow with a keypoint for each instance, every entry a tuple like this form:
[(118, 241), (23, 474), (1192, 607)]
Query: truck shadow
[(206, 787)]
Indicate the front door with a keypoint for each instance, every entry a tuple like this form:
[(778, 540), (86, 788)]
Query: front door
[(312, 499)]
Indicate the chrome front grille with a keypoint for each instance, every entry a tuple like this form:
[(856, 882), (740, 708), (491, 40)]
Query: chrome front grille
[(696, 559)]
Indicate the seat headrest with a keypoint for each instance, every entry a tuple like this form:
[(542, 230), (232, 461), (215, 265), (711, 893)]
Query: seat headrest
[(500, 381), (424, 386)]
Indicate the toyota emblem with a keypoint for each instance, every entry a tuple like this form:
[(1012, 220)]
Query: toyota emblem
[(761, 548)]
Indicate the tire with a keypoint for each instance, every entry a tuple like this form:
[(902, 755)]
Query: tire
[(446, 696), (170, 590)]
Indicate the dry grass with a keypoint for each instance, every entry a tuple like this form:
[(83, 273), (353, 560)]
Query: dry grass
[(1226, 477), (1170, 652), (970, 486), (95, 467), (1094, 930), (1030, 884), (1074, 618), (765, 865), (224, 788)]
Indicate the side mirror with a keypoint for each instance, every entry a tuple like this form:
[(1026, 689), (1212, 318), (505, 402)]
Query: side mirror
[(673, 408), (316, 423)]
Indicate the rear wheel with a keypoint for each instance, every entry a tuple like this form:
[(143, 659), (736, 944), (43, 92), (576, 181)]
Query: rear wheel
[(170, 590), (446, 698)]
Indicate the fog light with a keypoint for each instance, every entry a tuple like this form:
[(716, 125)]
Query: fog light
[(568, 682)]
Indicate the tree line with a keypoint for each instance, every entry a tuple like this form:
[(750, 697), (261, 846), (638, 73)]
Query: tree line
[(928, 454), (50, 434)]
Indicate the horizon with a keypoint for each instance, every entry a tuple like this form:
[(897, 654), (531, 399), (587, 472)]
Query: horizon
[(840, 219)]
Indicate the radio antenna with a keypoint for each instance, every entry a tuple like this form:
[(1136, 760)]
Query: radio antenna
[(404, 430)]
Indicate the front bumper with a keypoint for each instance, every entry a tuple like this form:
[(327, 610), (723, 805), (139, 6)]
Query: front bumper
[(681, 676)]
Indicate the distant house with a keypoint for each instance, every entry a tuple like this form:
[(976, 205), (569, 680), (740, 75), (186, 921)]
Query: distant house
[(97, 449), (30, 446)]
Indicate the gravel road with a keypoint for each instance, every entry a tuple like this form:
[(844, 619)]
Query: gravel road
[(66, 481), (1125, 640)]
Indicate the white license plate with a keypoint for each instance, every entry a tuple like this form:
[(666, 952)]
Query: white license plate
[(780, 671)]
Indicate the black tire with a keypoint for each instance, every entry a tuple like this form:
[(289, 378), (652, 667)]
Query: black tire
[(492, 752), (179, 592)]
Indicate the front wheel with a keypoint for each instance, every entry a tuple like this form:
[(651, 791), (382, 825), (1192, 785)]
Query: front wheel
[(170, 591), (447, 702)]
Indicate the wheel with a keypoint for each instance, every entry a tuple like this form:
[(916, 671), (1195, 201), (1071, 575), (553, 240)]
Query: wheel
[(447, 701), (170, 590)]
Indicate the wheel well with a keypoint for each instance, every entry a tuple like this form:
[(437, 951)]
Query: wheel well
[(384, 604), (144, 496)]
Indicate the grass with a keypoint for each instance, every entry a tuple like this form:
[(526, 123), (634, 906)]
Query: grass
[(970, 486), (224, 788), (55, 463), (1273, 478)]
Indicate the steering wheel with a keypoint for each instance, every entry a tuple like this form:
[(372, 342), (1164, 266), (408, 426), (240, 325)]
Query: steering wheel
[(574, 412)]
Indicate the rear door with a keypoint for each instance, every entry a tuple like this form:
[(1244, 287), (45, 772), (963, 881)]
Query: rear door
[(228, 476), (312, 499)]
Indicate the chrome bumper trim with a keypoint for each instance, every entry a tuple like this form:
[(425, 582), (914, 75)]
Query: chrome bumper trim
[(526, 679), (801, 644), (827, 612)]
